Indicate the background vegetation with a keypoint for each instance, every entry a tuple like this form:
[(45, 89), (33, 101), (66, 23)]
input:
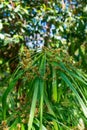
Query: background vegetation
[(43, 59)]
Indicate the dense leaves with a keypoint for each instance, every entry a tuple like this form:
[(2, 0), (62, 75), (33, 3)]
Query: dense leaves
[(43, 73)]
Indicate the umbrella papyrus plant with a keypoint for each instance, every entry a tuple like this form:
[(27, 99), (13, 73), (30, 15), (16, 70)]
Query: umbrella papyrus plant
[(52, 85)]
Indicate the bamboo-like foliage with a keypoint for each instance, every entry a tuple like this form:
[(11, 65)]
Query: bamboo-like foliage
[(43, 66), (53, 93)]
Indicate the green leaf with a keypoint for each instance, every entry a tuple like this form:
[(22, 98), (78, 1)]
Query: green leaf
[(13, 126), (34, 100), (2, 36), (1, 25), (54, 86), (67, 81), (8, 90), (50, 107), (42, 83)]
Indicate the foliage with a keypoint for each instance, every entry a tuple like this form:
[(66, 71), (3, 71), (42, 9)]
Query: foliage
[(43, 52)]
